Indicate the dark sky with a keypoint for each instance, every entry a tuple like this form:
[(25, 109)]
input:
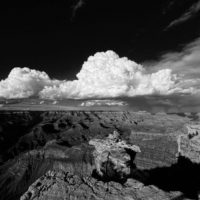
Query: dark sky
[(58, 36)]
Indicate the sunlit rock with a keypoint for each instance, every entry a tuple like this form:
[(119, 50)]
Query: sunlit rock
[(113, 156)]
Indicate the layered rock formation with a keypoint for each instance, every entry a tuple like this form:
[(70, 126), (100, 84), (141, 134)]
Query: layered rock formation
[(61, 155), (189, 144)]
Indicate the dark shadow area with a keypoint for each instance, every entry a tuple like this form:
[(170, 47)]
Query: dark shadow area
[(109, 174), (13, 126), (183, 176)]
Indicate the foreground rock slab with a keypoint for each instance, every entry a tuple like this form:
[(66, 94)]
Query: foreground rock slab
[(59, 185)]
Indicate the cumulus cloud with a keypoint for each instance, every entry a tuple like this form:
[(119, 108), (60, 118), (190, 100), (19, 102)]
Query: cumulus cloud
[(107, 75), (191, 12), (103, 102), (24, 82), (104, 75)]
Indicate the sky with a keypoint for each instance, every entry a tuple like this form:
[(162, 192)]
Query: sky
[(99, 49)]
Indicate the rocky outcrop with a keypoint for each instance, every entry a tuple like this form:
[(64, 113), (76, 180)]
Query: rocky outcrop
[(62, 185), (78, 144), (113, 157), (189, 144)]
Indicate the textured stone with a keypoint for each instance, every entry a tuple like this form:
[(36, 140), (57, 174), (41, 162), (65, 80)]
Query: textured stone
[(113, 156), (189, 144), (56, 185)]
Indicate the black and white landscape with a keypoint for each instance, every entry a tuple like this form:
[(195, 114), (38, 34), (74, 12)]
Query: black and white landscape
[(100, 100)]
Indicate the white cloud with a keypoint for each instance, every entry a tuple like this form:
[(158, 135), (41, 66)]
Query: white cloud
[(24, 82), (191, 12), (104, 75), (103, 102), (185, 63), (107, 75)]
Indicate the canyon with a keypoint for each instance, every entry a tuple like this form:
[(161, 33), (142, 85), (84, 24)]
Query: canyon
[(99, 155)]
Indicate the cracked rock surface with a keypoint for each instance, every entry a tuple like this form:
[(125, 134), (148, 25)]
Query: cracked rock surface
[(113, 157), (61, 185)]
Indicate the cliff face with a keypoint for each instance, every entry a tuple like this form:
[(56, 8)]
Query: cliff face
[(61, 155)]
